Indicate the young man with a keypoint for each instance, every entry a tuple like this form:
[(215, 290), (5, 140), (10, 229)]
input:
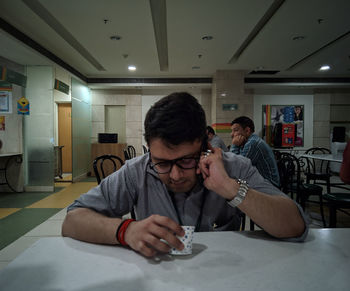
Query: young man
[(214, 140), (248, 144), (175, 184)]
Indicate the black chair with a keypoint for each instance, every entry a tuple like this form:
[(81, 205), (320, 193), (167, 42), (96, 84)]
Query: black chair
[(145, 150), (126, 154), (129, 152), (290, 171), (106, 165), (337, 201), (318, 170)]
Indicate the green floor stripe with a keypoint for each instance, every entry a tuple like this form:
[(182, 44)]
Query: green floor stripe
[(89, 179), (19, 223), (20, 200)]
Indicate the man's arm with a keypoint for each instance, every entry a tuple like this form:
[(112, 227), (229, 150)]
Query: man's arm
[(277, 215), (143, 236)]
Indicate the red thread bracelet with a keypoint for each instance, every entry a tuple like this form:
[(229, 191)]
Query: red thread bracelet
[(120, 235)]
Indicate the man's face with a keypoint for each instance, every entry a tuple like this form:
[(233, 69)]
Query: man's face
[(210, 136), (178, 179), (237, 130)]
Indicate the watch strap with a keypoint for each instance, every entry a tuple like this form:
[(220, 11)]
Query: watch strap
[(241, 193)]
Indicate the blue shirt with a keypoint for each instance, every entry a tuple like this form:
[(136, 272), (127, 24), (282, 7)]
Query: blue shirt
[(262, 157)]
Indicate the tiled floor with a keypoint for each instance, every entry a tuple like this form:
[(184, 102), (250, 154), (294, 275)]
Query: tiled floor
[(36, 215), (51, 209)]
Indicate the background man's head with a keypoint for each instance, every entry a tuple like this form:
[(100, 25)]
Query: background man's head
[(242, 125), (176, 118), (210, 132)]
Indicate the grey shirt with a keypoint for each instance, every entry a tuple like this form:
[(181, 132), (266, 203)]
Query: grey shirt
[(137, 186), (217, 142)]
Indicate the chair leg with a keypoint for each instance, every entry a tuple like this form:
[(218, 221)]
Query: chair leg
[(332, 216), (328, 185), (243, 217), (251, 225), (321, 210)]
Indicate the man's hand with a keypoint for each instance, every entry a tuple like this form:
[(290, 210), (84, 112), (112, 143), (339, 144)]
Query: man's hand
[(239, 140), (145, 235), (212, 169)]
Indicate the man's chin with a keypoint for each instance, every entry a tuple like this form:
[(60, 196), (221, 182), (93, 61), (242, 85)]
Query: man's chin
[(180, 188)]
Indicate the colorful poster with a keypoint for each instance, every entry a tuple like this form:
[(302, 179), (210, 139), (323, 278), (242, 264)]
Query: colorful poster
[(275, 119), (23, 106), (2, 123)]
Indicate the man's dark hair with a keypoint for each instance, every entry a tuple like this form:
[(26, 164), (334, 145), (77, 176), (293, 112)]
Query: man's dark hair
[(244, 121), (176, 118), (210, 130)]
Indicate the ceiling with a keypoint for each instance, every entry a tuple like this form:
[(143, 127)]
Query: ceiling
[(164, 39)]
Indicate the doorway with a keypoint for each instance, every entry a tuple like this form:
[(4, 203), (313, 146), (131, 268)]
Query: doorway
[(65, 138)]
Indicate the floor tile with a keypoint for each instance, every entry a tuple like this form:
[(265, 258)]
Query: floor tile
[(59, 215), (19, 200), (7, 211), (13, 250), (65, 197), (19, 223), (48, 228)]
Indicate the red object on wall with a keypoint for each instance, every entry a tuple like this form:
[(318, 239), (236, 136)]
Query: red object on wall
[(288, 135)]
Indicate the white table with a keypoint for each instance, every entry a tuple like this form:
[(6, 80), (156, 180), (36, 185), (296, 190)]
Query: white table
[(221, 261), (325, 157)]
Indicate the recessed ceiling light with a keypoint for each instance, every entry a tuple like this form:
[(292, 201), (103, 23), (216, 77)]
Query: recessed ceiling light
[(115, 37), (298, 37), (325, 68), (131, 68), (207, 37)]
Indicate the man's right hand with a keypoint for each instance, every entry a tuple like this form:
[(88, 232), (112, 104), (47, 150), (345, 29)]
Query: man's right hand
[(145, 236), (239, 140)]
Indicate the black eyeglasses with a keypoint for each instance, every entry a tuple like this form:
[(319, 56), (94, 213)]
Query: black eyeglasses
[(183, 163)]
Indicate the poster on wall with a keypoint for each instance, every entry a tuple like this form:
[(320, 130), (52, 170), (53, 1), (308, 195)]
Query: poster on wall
[(23, 106), (5, 100), (283, 125)]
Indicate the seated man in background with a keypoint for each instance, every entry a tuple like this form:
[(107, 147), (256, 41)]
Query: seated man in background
[(214, 140), (176, 184), (248, 144)]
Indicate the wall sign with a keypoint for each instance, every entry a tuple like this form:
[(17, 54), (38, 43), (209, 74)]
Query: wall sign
[(62, 87), (229, 107), (12, 77)]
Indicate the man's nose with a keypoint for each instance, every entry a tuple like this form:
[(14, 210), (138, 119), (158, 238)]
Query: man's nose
[(175, 172)]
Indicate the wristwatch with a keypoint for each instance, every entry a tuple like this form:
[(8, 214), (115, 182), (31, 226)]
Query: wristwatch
[(241, 193)]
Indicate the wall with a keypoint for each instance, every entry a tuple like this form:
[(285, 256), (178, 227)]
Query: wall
[(228, 88), (129, 98), (38, 129)]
